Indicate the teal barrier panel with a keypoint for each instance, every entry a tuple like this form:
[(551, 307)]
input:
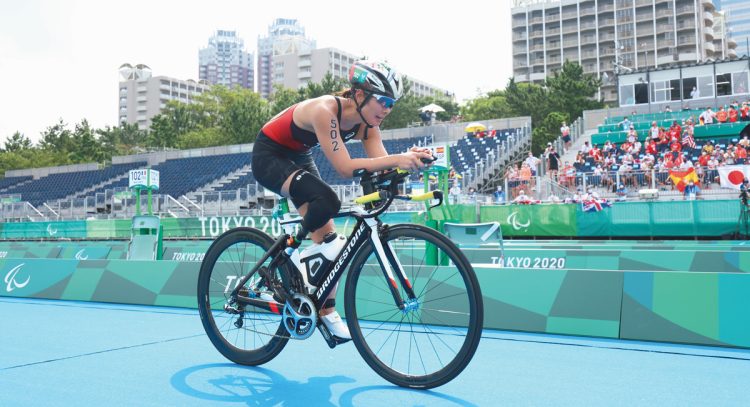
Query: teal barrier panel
[(45, 230), (695, 308), (84, 252), (612, 258), (698, 308), (623, 219)]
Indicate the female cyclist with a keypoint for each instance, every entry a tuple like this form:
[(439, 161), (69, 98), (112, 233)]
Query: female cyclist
[(282, 160)]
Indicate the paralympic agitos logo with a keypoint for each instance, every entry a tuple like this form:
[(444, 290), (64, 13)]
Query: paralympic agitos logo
[(11, 283), (512, 220)]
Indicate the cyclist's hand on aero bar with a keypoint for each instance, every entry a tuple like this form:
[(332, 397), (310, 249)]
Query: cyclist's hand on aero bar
[(413, 160)]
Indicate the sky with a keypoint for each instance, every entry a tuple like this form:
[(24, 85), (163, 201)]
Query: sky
[(60, 59)]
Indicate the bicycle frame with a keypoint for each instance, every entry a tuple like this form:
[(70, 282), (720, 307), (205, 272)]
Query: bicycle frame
[(368, 227)]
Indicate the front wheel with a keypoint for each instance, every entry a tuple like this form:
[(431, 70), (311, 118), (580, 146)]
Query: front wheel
[(255, 336), (433, 339)]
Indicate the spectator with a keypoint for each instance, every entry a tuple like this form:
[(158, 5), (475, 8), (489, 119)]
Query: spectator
[(707, 117), (553, 163), (596, 154), (454, 193), (565, 133), (625, 124), (740, 155), (433, 118), (472, 195), (654, 131), (425, 116), (585, 148), (722, 115), (577, 196), (522, 197), (569, 174), (708, 147), (547, 150), (695, 93), (691, 191), (732, 114), (745, 112), (622, 192), (632, 135), (499, 195), (667, 109), (745, 142), (533, 163)]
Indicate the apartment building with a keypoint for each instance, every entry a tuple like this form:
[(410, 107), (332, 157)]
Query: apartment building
[(285, 36), (225, 62), (737, 15), (610, 37), (142, 96)]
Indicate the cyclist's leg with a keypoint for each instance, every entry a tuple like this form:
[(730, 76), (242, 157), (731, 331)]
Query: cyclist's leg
[(318, 234), (327, 201)]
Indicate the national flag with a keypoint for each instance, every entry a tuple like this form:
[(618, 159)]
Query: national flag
[(688, 140), (731, 176), (680, 178), (594, 205)]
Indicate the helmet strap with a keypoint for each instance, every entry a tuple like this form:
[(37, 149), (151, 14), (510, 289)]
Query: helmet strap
[(359, 109)]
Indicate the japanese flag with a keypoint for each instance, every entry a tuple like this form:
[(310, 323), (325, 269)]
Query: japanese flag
[(731, 176)]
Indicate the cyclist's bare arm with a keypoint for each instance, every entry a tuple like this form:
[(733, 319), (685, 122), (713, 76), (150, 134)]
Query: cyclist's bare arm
[(327, 128), (373, 145)]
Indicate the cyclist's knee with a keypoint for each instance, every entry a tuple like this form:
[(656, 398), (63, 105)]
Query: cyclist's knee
[(322, 202)]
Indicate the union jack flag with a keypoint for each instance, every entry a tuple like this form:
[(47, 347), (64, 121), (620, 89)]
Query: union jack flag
[(688, 140), (593, 205)]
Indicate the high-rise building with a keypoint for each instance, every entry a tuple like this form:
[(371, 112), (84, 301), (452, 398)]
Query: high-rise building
[(608, 37), (142, 96), (285, 36), (737, 15), (295, 70), (225, 62)]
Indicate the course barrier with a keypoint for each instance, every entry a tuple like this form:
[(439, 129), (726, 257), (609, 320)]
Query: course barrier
[(564, 291)]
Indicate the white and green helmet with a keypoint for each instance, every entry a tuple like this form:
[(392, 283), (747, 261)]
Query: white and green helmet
[(376, 77)]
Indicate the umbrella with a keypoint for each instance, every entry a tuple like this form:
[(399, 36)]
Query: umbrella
[(475, 126), (432, 108)]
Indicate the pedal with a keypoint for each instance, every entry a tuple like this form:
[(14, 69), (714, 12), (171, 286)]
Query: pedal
[(331, 340)]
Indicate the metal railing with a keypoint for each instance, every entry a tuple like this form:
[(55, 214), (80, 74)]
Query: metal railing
[(562, 186)]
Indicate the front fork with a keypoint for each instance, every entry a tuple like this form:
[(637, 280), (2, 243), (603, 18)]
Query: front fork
[(391, 266)]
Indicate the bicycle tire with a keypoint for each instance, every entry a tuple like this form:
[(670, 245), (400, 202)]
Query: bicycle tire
[(236, 252), (370, 310)]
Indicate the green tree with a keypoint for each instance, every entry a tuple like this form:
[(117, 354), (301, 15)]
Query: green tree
[(281, 98), (242, 113), (327, 86), (57, 138), (571, 91), (174, 120), (84, 146), (17, 142), (546, 131), (493, 106)]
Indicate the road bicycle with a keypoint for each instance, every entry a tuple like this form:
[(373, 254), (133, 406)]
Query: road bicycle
[(412, 301)]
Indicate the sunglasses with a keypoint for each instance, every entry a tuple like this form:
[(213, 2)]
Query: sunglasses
[(384, 101)]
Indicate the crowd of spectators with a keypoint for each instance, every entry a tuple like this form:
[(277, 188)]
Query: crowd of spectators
[(642, 160)]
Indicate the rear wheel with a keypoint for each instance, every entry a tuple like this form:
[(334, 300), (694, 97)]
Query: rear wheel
[(255, 336), (433, 339)]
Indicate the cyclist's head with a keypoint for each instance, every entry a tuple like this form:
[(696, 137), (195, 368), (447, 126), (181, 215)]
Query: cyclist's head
[(376, 78)]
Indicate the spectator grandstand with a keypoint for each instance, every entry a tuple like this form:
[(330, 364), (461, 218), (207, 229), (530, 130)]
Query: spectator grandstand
[(193, 180), (654, 151)]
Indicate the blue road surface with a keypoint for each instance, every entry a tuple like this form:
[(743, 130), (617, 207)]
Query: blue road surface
[(62, 353)]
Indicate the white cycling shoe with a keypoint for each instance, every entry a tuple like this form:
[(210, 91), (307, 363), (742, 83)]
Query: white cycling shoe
[(336, 326)]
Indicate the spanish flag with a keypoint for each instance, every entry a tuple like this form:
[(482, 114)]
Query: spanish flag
[(680, 178)]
